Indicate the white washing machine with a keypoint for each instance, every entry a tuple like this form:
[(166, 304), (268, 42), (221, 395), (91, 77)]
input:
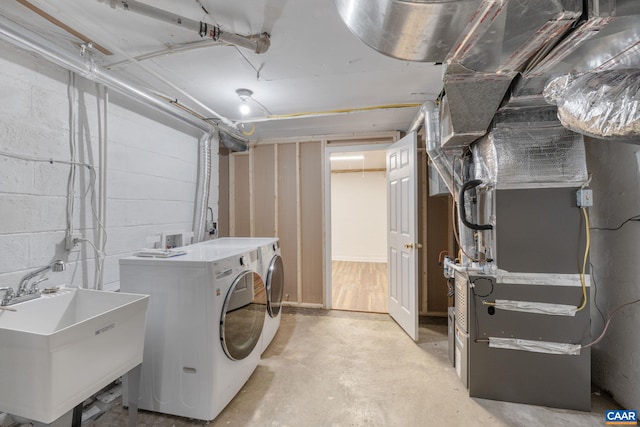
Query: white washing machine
[(271, 270), (204, 326)]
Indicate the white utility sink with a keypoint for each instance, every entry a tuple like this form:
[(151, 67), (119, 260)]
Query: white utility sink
[(57, 350)]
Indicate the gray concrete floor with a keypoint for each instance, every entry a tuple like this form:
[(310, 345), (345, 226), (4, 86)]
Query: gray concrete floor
[(332, 368)]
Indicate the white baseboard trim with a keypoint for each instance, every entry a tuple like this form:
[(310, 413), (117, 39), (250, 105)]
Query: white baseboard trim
[(356, 259), (302, 304)]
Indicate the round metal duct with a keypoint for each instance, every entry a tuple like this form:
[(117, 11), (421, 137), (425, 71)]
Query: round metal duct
[(411, 30)]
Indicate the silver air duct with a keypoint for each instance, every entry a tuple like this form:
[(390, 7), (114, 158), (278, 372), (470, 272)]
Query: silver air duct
[(485, 44), (232, 142), (411, 30), (258, 43), (443, 163), (202, 188)]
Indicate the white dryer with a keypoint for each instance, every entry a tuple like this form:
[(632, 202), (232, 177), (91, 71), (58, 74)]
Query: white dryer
[(270, 268), (273, 276), (204, 326)]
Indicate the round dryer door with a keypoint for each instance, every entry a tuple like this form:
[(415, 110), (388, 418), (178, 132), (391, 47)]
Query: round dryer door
[(243, 315), (275, 286)]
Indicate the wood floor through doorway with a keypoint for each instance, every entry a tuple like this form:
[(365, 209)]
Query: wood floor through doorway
[(359, 286)]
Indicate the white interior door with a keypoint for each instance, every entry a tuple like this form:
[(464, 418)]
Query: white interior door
[(402, 231)]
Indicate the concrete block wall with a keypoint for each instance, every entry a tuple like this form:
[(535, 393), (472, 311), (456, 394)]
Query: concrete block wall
[(152, 167)]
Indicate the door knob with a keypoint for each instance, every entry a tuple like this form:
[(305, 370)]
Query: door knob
[(413, 245)]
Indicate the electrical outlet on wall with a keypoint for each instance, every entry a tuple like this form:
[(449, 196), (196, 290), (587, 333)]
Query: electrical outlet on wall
[(584, 198), (71, 244)]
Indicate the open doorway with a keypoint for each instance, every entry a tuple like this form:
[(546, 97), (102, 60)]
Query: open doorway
[(357, 221)]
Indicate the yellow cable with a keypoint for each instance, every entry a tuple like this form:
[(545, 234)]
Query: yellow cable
[(251, 132), (584, 263), (344, 110)]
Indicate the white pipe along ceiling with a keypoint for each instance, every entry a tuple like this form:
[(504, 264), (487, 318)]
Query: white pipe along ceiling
[(258, 43), (85, 67)]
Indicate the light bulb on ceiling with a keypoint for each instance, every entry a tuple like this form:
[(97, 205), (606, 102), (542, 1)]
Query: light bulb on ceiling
[(244, 108), (245, 96)]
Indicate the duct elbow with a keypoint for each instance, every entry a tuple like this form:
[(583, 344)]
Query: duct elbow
[(263, 43), (256, 43)]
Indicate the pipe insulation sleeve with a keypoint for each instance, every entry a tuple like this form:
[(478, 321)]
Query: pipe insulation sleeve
[(202, 187)]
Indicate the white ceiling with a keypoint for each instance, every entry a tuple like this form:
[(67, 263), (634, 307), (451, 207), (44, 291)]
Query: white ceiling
[(314, 63)]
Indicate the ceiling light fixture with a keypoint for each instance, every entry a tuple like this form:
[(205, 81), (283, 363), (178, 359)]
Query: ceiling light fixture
[(355, 157), (245, 96)]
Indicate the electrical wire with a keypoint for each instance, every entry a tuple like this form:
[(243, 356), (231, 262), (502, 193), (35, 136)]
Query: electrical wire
[(595, 292), (633, 218), (96, 251), (584, 262), (343, 110), (474, 285), (251, 132), (43, 160), (606, 325)]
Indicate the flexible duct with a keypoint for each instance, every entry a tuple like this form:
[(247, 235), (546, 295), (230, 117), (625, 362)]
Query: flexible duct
[(604, 104), (202, 188), (27, 39)]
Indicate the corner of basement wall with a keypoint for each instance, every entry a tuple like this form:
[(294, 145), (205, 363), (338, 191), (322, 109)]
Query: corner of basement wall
[(614, 255), (151, 182)]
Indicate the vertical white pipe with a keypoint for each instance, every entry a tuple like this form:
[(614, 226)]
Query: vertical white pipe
[(103, 93)]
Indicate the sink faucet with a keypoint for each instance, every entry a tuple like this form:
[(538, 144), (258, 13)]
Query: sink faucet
[(57, 266), (8, 296), (25, 293)]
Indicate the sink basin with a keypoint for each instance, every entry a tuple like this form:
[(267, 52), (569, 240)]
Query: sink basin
[(59, 349)]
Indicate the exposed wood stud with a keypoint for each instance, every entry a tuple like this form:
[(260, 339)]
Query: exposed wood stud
[(64, 26)]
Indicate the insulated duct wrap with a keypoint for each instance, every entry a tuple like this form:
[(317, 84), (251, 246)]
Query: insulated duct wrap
[(535, 346), (531, 156), (536, 307), (602, 104)]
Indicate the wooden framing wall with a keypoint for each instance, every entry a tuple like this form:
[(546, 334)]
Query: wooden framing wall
[(277, 189)]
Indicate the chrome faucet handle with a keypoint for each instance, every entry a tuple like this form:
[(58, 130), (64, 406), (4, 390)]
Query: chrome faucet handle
[(34, 289), (8, 295)]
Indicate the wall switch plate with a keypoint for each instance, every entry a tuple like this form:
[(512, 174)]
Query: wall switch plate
[(584, 197)]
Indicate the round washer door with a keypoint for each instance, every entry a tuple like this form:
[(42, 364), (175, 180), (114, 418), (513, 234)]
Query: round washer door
[(275, 286), (243, 315)]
